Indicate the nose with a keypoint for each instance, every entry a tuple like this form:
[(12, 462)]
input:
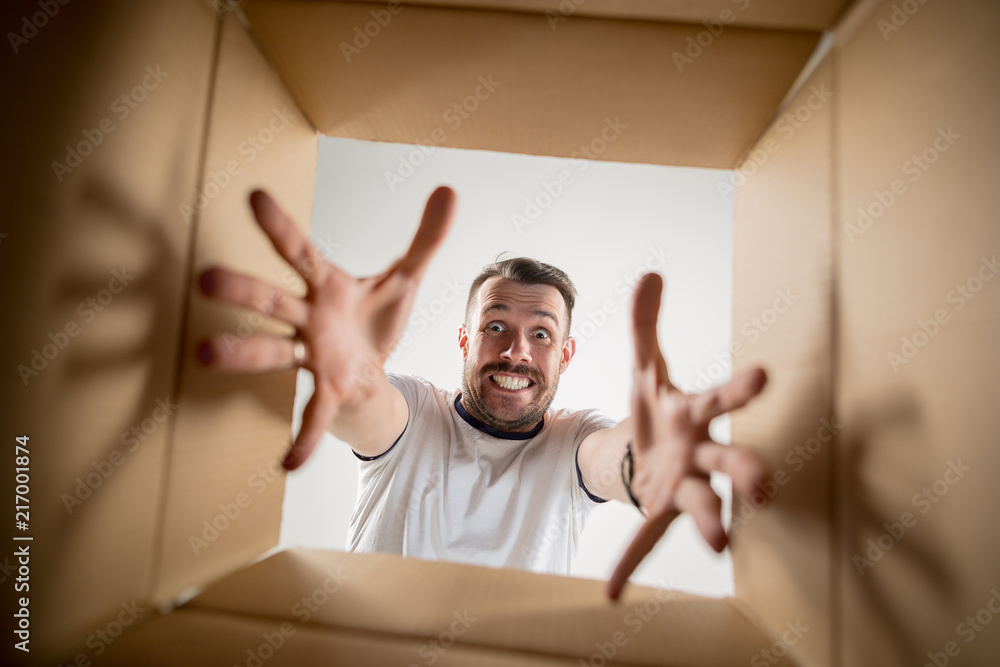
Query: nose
[(519, 350)]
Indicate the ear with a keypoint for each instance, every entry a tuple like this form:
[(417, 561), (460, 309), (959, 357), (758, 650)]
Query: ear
[(463, 340), (569, 349)]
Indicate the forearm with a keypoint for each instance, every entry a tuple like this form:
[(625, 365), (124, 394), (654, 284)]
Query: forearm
[(601, 461), (372, 420)]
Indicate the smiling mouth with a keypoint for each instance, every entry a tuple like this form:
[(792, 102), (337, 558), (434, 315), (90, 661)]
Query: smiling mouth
[(510, 382)]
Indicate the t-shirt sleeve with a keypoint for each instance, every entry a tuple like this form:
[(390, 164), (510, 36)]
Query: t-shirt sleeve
[(414, 391), (590, 421)]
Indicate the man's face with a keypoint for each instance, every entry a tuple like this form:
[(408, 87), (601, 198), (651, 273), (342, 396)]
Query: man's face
[(514, 349)]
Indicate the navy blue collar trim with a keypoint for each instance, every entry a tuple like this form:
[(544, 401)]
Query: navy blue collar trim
[(506, 435)]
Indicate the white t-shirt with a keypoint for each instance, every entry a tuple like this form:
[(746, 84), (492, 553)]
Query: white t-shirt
[(451, 488)]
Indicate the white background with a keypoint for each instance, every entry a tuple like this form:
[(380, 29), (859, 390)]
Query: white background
[(613, 222)]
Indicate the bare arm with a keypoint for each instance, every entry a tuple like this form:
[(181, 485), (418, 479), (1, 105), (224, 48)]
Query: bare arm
[(600, 459), (373, 421)]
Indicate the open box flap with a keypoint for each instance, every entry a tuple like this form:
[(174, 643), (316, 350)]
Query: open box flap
[(408, 598), (788, 14), (608, 89)]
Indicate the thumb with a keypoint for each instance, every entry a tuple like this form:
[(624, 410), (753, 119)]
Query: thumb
[(318, 413)]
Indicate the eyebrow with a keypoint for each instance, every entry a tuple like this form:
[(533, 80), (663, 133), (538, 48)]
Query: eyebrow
[(502, 307)]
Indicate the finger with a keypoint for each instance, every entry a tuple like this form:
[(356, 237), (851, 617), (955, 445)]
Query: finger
[(249, 292), (645, 313), (734, 394), (744, 466), (286, 238), (696, 497), (644, 407), (434, 225), (318, 414), (665, 457), (643, 542), (247, 355)]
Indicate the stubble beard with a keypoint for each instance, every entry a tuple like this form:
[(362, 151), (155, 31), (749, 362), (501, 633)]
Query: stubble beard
[(474, 400)]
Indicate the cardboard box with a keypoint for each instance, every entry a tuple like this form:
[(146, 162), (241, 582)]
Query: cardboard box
[(863, 184)]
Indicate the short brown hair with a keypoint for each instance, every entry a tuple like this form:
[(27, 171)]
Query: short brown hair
[(526, 271)]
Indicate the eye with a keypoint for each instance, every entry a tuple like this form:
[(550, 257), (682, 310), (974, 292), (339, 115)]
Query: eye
[(495, 327), (542, 333)]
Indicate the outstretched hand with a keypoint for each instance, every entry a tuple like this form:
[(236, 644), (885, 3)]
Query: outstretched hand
[(672, 451), (345, 327)]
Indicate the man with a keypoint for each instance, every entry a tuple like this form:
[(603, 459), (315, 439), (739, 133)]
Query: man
[(490, 473)]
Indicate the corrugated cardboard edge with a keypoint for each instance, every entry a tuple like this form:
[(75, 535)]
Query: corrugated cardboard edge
[(224, 484), (783, 262)]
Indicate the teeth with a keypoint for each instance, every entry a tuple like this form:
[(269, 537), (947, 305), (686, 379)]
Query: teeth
[(511, 383)]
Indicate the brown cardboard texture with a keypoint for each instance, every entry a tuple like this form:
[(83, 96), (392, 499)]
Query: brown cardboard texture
[(522, 87), (864, 193), (415, 610), (95, 185), (874, 208), (786, 14)]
